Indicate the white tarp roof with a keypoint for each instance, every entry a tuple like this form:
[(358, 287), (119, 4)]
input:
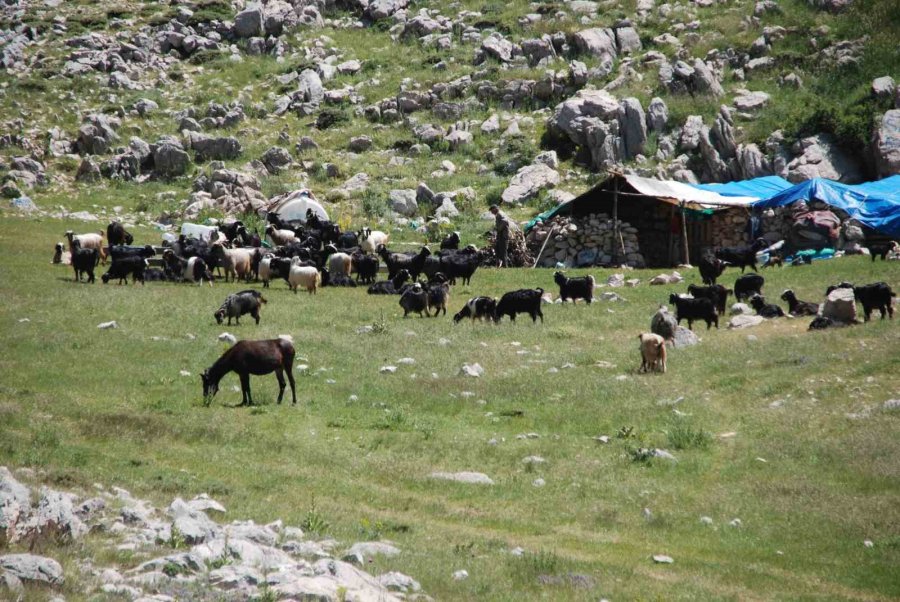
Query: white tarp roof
[(694, 198), (293, 206)]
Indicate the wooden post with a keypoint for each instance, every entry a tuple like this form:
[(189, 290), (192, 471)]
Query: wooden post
[(687, 254), (669, 246), (544, 246), (615, 216)]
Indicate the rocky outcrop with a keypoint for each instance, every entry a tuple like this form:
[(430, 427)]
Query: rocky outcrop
[(819, 157), (528, 182), (209, 148), (225, 190), (886, 144)]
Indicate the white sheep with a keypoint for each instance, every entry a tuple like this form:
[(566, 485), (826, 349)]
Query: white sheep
[(307, 277), (265, 269), (87, 241), (653, 352), (374, 239), (340, 263), (280, 237)]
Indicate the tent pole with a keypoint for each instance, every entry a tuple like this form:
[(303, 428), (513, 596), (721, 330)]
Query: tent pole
[(670, 247), (687, 255), (544, 246), (616, 235)]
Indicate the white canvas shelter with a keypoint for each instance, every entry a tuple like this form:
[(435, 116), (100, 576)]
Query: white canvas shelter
[(293, 206)]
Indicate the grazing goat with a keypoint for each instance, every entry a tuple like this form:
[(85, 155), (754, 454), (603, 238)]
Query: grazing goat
[(398, 261), (390, 287), (124, 267), (799, 308), (883, 249), (766, 310), (280, 237), (336, 279), (438, 296), (451, 241), (238, 304), (742, 256), (83, 262), (477, 308), (716, 293), (60, 255), (414, 300), (748, 285), (653, 353), (710, 269), (575, 288), (875, 296), (305, 276), (252, 357), (522, 301), (116, 234), (236, 262), (87, 241), (365, 266), (694, 309)]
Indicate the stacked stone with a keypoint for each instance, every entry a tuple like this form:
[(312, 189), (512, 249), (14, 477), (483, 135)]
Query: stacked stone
[(576, 240), (729, 228)]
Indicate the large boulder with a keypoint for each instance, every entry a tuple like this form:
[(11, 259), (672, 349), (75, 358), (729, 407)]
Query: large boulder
[(498, 47), (404, 202), (276, 159), (28, 567), (53, 518), (820, 157), (528, 182), (632, 126), (572, 117), (886, 143), (169, 159), (382, 9), (704, 80), (663, 323), (217, 149), (598, 42), (628, 40), (840, 306), (249, 22), (309, 84), (657, 115)]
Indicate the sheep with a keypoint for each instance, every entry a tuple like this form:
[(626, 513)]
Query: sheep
[(122, 268), (305, 276), (60, 255), (748, 285), (414, 300), (575, 288), (797, 307), (280, 237), (370, 240), (875, 296), (694, 309), (87, 241), (742, 256), (716, 293), (766, 310), (337, 279), (438, 295), (460, 266), (710, 269), (338, 262), (235, 262), (451, 241), (883, 249), (398, 261), (522, 301), (653, 352), (84, 261), (477, 308), (238, 304), (389, 287), (116, 234), (365, 266)]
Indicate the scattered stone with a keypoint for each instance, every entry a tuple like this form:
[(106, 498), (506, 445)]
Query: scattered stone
[(474, 370), (108, 325), (28, 567), (475, 478), (745, 321), (460, 575), (662, 559)]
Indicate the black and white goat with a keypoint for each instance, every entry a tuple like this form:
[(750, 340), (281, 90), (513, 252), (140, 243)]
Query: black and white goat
[(238, 304), (575, 288), (414, 300), (451, 241), (477, 308)]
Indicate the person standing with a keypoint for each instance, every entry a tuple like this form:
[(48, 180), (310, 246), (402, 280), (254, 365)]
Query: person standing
[(503, 226)]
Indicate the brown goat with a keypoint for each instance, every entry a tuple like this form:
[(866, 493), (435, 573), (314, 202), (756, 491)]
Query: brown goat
[(252, 357)]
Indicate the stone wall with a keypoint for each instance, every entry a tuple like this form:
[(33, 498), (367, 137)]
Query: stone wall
[(587, 240)]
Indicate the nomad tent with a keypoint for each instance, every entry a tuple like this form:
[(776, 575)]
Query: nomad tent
[(674, 221), (875, 205), (292, 207)]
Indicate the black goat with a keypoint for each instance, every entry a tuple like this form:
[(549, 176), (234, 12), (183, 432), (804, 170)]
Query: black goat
[(337, 279), (575, 288), (84, 261), (460, 266), (116, 234), (710, 269), (238, 304), (766, 310), (438, 296), (797, 307), (742, 256), (477, 308), (365, 266), (694, 309), (882, 249), (389, 287), (822, 322), (748, 285), (716, 293), (399, 261), (194, 269), (156, 275), (414, 300), (125, 267), (451, 241), (522, 301), (875, 296), (123, 251)]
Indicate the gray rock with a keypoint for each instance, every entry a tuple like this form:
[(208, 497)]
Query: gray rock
[(11, 490), (11, 585), (145, 106), (840, 306), (741, 309), (704, 79), (491, 125), (169, 160), (306, 144), (356, 183), (250, 531), (360, 144), (404, 202), (398, 582), (745, 321), (690, 133), (548, 158), (537, 49), (446, 209), (476, 478), (382, 9), (209, 148), (192, 526), (886, 144), (276, 159), (235, 577), (54, 518), (821, 157), (369, 549), (498, 47), (528, 182), (249, 22), (627, 40), (883, 86), (684, 337), (833, 6), (663, 323), (424, 194), (597, 42), (657, 115), (752, 163), (751, 101), (28, 567), (309, 86), (633, 127)]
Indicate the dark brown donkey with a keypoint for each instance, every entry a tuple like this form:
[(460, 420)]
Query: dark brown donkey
[(252, 357)]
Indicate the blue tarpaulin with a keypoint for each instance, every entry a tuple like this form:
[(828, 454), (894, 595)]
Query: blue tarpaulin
[(873, 204), (761, 188)]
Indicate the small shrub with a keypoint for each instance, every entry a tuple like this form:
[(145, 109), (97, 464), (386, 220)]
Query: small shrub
[(687, 437), (374, 204), (314, 521), (331, 116)]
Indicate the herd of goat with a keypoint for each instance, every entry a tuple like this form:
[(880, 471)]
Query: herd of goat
[(319, 254)]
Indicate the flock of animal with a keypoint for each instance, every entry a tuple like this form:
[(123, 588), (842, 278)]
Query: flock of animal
[(319, 254)]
